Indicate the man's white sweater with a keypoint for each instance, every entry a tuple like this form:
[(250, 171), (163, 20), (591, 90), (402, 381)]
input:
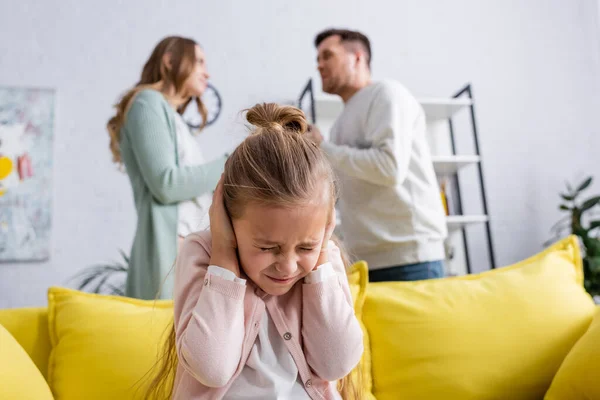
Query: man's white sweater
[(390, 204)]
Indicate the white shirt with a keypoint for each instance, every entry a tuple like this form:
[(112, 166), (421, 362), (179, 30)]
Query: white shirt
[(270, 372), (390, 206), (193, 214)]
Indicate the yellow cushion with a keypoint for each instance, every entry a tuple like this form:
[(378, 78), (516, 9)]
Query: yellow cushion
[(579, 375), (358, 277), (103, 347), (501, 334), (29, 326), (20, 379)]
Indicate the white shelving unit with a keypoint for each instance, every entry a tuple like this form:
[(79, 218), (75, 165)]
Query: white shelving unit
[(439, 113), (457, 222), (329, 107), (435, 108), (442, 108)]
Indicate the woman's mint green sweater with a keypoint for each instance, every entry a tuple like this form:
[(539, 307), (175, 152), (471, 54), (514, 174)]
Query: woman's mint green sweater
[(159, 183)]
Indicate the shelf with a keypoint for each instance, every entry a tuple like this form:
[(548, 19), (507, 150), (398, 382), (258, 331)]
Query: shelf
[(443, 108), (449, 165), (456, 222), (453, 222), (329, 107)]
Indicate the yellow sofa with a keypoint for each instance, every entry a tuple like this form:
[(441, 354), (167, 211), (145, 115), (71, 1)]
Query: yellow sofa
[(520, 332)]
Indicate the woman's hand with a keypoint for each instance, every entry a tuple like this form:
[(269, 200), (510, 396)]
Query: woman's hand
[(323, 257), (224, 244)]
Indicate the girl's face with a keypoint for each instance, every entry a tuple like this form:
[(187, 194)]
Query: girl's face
[(196, 83), (279, 246)]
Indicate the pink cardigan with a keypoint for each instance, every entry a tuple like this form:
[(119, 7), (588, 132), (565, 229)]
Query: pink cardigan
[(217, 321)]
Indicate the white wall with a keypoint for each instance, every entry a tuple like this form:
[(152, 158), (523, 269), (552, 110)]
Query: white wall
[(534, 68)]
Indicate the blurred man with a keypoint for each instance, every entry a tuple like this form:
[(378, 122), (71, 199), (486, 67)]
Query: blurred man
[(390, 205)]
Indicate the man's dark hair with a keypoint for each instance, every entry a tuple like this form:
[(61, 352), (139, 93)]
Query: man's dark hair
[(347, 36)]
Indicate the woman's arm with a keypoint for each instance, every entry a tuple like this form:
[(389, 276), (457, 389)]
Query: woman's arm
[(333, 339), (209, 316), (147, 130)]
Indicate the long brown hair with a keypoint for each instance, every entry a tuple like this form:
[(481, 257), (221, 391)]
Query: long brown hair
[(183, 57), (276, 165)]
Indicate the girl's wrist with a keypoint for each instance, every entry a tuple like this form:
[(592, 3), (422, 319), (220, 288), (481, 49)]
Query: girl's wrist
[(227, 260)]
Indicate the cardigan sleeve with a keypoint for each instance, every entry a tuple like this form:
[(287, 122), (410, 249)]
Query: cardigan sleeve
[(208, 315), (332, 336), (147, 129)]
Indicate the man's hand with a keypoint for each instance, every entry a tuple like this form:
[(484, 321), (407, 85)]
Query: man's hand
[(314, 134)]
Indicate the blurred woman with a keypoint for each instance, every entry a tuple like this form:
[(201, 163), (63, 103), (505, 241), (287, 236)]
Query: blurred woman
[(172, 184)]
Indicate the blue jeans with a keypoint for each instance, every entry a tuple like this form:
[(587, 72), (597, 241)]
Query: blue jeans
[(410, 272)]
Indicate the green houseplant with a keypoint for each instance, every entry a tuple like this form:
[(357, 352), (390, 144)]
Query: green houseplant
[(580, 221)]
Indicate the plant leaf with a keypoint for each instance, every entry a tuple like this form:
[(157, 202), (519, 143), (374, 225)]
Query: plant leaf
[(584, 184), (114, 268), (567, 197), (594, 264), (558, 231), (569, 187), (594, 225), (125, 257), (99, 286), (550, 241), (589, 203), (592, 246), (582, 233), (97, 273), (115, 290), (561, 222), (564, 207), (88, 280)]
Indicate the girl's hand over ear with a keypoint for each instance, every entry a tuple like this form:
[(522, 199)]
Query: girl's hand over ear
[(323, 257), (224, 244)]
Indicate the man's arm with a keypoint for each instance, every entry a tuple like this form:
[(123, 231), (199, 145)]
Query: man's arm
[(390, 129)]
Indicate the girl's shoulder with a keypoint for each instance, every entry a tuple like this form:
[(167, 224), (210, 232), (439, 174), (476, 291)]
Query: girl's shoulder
[(195, 242), (192, 259)]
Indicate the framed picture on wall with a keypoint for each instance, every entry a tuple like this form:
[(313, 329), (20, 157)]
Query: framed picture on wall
[(26, 136)]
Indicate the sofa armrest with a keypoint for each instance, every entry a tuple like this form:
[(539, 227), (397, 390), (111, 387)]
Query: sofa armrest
[(29, 326)]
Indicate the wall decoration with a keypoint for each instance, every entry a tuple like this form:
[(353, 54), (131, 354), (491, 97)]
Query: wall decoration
[(212, 101), (26, 136)]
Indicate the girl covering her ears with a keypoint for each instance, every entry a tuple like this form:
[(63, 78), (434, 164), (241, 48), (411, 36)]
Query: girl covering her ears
[(262, 304), (172, 184)]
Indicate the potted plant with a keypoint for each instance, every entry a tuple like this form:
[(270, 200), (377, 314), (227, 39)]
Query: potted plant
[(580, 221), (104, 278)]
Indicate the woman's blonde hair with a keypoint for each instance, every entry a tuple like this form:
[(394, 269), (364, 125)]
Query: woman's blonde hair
[(183, 57), (276, 165)]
